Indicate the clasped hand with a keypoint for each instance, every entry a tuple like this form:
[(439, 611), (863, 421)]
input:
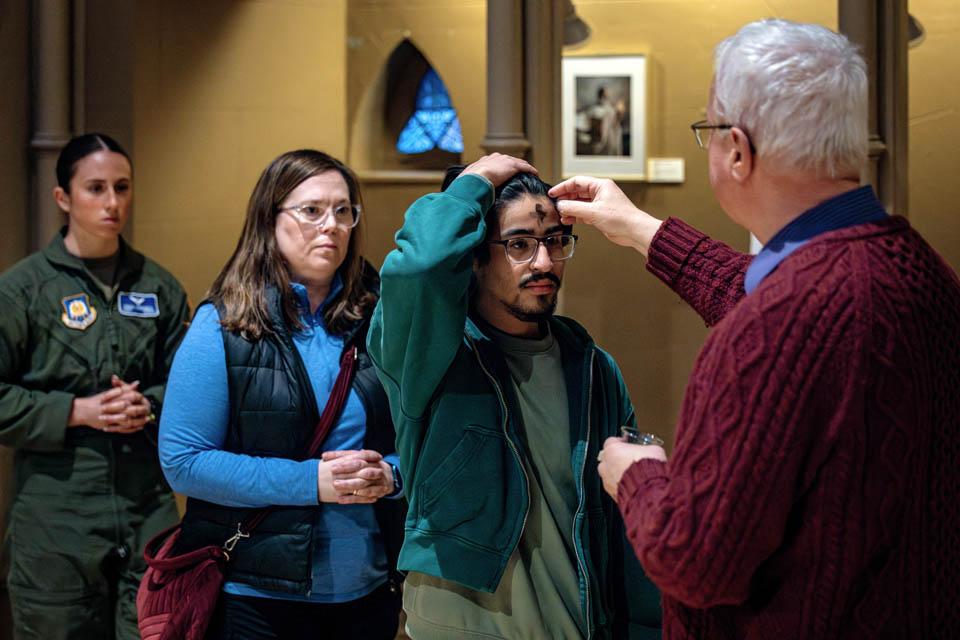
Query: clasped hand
[(121, 409), (353, 477)]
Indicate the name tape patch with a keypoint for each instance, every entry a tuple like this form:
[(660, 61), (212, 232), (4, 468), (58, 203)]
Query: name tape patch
[(138, 305)]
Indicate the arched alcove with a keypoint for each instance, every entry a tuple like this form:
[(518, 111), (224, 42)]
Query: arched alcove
[(408, 102)]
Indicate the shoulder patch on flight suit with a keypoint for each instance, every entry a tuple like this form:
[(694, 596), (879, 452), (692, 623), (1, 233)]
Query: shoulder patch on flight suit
[(138, 305), (77, 311)]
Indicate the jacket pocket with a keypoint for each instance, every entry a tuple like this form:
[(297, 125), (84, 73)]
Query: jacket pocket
[(474, 491)]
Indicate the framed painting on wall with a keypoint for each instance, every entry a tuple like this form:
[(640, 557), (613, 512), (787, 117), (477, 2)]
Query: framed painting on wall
[(604, 115)]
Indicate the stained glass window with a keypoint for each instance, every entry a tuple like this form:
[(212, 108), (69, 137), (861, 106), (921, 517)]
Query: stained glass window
[(434, 122)]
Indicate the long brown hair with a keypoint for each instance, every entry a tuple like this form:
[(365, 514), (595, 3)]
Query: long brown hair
[(256, 263)]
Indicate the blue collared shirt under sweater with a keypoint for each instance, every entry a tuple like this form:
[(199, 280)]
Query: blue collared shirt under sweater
[(857, 206)]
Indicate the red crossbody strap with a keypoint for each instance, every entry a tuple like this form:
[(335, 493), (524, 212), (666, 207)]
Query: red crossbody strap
[(336, 402), (331, 413)]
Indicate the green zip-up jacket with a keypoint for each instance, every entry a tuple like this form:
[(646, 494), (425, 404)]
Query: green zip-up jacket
[(60, 338), (458, 428)]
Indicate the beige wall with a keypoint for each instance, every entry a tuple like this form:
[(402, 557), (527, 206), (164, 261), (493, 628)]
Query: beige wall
[(935, 128), (220, 89)]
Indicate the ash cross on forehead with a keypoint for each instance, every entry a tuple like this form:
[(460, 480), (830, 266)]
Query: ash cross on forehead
[(541, 212)]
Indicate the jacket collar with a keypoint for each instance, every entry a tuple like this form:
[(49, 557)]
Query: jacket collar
[(356, 333), (569, 333), (130, 261)]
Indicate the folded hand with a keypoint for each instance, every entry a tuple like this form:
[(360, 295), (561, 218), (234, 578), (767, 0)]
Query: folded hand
[(357, 477)]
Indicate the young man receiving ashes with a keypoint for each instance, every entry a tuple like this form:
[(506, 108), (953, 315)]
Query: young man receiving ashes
[(501, 408)]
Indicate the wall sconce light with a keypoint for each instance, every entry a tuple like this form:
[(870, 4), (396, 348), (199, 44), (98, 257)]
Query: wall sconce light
[(575, 31), (915, 32)]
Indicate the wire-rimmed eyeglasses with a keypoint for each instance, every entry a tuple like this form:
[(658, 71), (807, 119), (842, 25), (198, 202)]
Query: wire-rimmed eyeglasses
[(313, 213), (523, 249), (702, 130)]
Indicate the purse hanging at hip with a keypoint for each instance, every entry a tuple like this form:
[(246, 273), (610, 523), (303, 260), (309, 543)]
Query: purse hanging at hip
[(178, 593)]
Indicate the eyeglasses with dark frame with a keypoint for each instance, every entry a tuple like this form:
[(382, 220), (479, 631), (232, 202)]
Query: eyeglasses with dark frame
[(702, 130), (523, 249), (345, 215)]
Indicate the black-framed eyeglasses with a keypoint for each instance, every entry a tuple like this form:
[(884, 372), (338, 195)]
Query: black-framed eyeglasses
[(702, 130), (522, 249), (344, 215)]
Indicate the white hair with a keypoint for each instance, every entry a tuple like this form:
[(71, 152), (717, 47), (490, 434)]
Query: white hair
[(799, 91)]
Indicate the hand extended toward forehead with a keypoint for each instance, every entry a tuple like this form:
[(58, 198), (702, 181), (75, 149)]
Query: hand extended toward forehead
[(601, 204), (498, 168), (353, 477)]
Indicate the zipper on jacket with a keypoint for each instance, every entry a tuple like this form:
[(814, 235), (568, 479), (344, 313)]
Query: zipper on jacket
[(513, 447), (581, 562), (113, 338)]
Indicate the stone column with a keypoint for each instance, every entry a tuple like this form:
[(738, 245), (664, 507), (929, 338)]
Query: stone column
[(51, 52), (505, 79), (51, 109), (543, 52), (880, 28)]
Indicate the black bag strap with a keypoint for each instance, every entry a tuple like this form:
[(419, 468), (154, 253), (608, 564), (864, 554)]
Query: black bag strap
[(331, 413)]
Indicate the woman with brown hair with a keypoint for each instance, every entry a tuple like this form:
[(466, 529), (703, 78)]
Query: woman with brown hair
[(266, 349), (88, 329)]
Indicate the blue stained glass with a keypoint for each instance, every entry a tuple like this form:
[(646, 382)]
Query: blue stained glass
[(413, 139), (434, 122), (452, 140)]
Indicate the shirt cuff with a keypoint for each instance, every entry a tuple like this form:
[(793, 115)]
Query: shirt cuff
[(394, 461), (670, 248)]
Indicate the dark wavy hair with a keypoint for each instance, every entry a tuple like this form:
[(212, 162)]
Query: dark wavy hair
[(256, 263), (513, 189)]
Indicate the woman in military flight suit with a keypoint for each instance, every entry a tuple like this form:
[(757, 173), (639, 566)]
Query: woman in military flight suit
[(88, 328)]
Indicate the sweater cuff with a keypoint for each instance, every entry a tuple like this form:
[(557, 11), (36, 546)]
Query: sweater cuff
[(670, 248), (635, 478), (473, 188)]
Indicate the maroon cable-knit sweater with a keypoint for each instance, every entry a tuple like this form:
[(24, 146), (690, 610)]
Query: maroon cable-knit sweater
[(813, 490)]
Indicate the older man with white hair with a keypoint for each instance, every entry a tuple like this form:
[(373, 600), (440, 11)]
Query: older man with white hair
[(813, 488)]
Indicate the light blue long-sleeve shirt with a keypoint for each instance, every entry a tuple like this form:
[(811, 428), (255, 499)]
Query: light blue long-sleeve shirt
[(349, 557)]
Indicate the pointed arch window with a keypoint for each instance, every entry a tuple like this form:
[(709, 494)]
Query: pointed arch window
[(434, 123)]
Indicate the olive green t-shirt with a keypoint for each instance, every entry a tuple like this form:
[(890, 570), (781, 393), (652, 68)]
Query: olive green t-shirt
[(539, 594), (104, 272)]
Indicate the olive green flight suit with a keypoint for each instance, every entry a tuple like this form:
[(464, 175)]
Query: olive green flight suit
[(85, 502)]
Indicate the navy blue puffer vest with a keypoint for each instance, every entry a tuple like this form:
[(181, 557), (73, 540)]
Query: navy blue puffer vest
[(273, 412)]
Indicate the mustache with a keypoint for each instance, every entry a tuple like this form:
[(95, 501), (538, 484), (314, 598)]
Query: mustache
[(536, 277)]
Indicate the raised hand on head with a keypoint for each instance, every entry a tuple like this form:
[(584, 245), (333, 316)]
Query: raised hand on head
[(498, 168)]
